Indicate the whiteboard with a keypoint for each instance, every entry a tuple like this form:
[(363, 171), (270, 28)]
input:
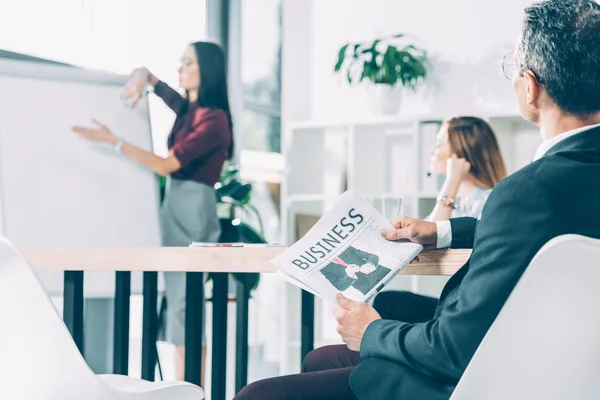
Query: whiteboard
[(57, 190)]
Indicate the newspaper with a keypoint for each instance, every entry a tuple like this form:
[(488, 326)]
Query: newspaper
[(345, 253)]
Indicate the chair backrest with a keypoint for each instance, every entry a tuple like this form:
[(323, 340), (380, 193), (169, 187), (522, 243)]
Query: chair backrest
[(545, 342), (38, 358)]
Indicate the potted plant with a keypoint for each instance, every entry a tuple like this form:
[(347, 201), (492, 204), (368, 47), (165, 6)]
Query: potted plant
[(388, 64), (234, 198)]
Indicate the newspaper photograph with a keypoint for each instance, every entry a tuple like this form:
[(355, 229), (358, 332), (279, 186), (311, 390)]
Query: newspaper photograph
[(345, 253)]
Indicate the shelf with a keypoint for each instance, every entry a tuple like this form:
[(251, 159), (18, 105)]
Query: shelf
[(314, 125), (323, 197), (312, 197), (341, 128), (424, 195), (396, 120), (514, 123), (398, 132), (363, 122)]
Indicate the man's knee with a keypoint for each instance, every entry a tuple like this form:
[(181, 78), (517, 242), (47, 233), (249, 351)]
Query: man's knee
[(314, 360), (258, 390), (324, 358)]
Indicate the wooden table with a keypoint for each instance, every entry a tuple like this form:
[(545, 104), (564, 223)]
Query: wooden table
[(195, 261)]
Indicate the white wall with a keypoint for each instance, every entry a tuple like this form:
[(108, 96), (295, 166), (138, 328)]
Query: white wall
[(466, 40), (297, 55)]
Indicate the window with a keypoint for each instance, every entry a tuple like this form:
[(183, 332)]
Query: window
[(261, 75), (112, 35), (262, 164)]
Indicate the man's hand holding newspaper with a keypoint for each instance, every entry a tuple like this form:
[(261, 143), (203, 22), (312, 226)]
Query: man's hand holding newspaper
[(346, 252), (353, 318), (413, 230)]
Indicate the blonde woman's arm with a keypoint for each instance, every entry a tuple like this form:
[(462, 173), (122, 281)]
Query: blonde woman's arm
[(457, 170)]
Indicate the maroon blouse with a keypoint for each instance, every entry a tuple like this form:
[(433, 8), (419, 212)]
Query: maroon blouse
[(199, 139)]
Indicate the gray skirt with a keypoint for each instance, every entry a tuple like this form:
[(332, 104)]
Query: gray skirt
[(188, 214)]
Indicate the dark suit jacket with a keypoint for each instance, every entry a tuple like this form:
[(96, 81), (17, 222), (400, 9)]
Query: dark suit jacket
[(336, 273), (555, 195)]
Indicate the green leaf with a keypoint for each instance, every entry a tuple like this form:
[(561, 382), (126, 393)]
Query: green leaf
[(366, 50), (389, 66), (374, 45), (366, 73), (407, 65), (341, 57), (410, 47)]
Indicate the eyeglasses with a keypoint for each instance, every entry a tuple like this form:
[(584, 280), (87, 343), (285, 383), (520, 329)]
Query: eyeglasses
[(186, 62), (510, 66)]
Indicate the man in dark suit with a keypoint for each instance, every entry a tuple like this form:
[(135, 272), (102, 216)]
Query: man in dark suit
[(556, 75), (356, 268)]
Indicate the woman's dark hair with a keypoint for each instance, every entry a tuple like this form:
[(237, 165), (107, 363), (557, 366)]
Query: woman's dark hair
[(212, 92)]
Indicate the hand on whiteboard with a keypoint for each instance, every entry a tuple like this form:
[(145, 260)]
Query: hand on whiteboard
[(99, 133), (135, 87)]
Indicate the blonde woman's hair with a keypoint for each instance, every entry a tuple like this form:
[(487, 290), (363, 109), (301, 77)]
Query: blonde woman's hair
[(474, 140)]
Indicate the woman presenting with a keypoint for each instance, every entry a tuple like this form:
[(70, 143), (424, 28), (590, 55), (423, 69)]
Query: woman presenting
[(199, 143)]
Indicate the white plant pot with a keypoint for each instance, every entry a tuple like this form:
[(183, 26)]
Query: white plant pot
[(384, 99)]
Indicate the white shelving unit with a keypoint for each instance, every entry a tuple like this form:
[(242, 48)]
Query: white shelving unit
[(377, 157), (374, 157), (383, 156)]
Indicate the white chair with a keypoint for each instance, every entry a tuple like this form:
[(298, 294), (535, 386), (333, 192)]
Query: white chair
[(38, 358), (545, 342)]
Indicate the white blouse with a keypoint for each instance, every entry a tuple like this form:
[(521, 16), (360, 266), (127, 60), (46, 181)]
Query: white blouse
[(468, 206)]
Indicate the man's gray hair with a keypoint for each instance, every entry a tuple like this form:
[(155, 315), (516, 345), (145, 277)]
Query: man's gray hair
[(560, 44)]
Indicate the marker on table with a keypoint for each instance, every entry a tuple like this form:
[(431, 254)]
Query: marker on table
[(235, 244), (208, 244)]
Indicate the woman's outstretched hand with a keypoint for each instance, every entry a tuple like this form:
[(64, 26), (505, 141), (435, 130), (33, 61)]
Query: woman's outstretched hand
[(98, 133)]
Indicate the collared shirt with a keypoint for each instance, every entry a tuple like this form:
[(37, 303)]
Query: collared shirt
[(444, 230), (548, 144)]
